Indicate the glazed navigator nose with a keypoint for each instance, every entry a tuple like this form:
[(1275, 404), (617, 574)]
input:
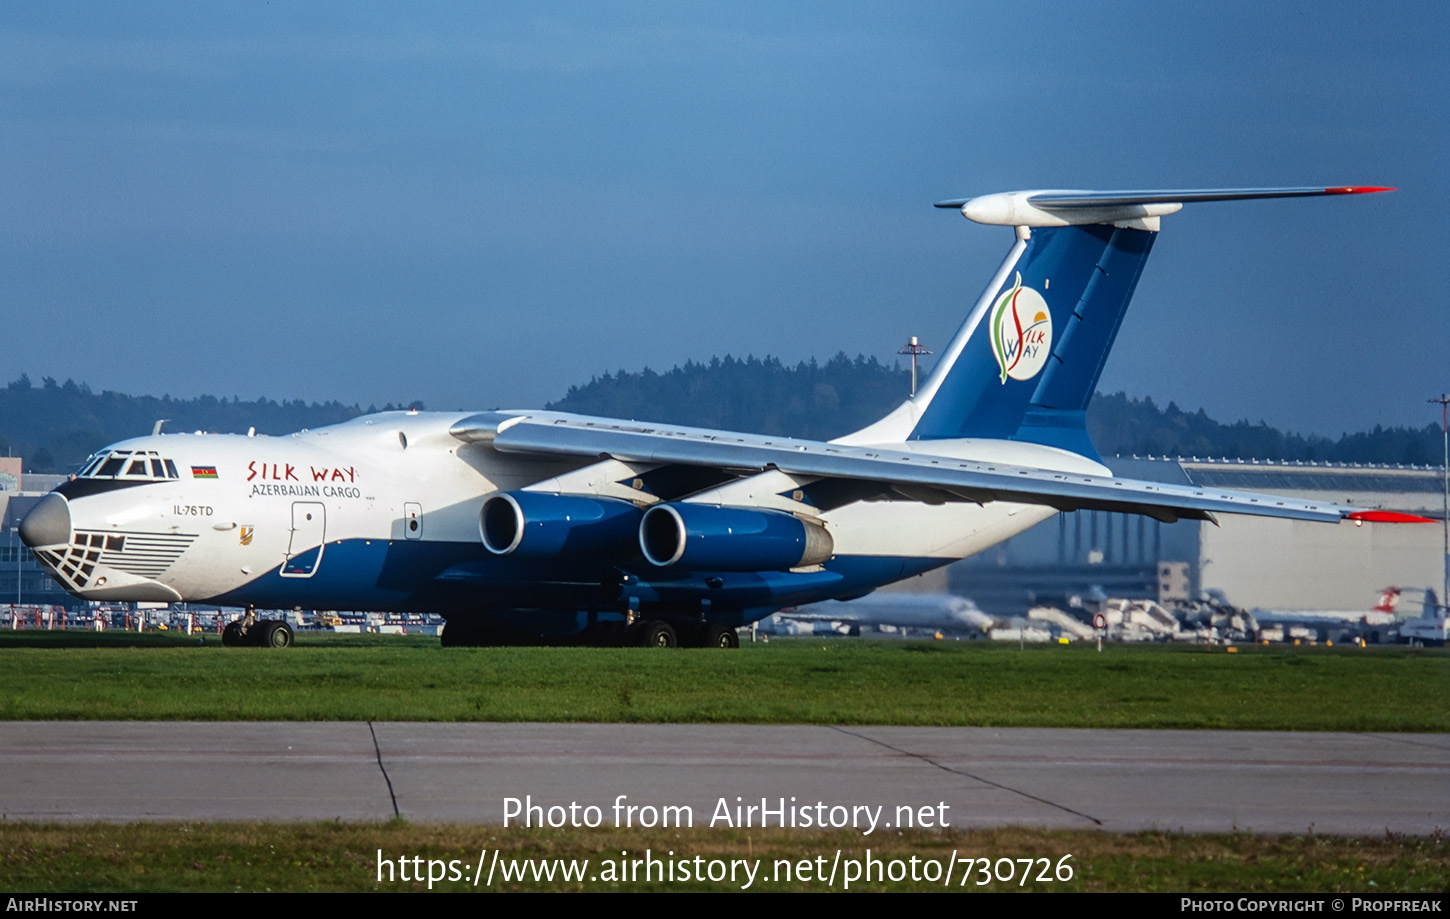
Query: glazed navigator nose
[(48, 523)]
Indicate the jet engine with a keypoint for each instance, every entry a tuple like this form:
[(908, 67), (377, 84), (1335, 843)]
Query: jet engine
[(731, 538), (532, 524)]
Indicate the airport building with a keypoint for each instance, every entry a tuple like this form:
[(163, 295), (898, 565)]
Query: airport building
[(1257, 562), (22, 581)]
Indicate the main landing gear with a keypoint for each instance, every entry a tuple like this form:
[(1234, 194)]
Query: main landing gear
[(249, 631), (656, 633), (719, 636)]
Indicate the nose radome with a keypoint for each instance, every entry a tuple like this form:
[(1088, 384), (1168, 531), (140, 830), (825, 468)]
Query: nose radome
[(48, 523)]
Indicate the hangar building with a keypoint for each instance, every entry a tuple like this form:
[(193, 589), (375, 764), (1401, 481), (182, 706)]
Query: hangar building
[(1257, 562)]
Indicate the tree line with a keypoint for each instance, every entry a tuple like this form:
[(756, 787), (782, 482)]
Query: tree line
[(822, 401), (55, 426)]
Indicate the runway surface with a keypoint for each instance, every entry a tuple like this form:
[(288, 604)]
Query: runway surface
[(1195, 781)]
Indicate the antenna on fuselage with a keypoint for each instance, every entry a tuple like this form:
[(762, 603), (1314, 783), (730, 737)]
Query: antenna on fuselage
[(156, 428)]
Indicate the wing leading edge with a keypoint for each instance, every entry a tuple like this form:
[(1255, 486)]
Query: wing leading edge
[(555, 434)]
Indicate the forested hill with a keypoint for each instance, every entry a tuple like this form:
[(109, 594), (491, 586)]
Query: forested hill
[(1124, 426), (54, 426), (762, 396), (821, 401)]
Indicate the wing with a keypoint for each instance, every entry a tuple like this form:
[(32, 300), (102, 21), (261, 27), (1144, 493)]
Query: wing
[(905, 473)]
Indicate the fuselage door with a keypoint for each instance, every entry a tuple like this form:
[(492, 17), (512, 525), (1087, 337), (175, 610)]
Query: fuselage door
[(413, 520), (309, 528)]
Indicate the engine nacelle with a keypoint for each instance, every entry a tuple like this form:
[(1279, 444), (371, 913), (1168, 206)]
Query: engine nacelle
[(731, 538), (541, 525)]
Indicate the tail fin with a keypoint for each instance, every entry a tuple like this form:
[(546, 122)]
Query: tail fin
[(1025, 366), (1389, 600), (1025, 363)]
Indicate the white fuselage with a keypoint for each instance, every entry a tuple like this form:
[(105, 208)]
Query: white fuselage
[(374, 512)]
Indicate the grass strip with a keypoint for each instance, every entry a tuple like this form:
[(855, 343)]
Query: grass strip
[(322, 857), (116, 676)]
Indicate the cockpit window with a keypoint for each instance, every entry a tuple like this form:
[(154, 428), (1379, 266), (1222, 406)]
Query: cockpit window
[(138, 464)]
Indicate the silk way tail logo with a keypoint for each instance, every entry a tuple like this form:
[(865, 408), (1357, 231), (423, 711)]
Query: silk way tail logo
[(1021, 332)]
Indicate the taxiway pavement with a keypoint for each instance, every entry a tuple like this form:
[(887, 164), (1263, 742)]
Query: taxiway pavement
[(1194, 781)]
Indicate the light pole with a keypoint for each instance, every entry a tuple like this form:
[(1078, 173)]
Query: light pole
[(1444, 401), (14, 526), (915, 349)]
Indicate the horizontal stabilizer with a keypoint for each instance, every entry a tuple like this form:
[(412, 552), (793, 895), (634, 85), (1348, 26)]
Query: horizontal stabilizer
[(1053, 208)]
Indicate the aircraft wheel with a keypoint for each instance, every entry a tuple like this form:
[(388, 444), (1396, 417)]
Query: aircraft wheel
[(275, 634), (719, 636), (657, 634), (232, 635)]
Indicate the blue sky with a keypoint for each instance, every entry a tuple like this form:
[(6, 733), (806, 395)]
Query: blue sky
[(477, 205)]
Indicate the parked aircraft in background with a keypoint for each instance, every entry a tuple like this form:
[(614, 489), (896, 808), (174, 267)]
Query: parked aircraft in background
[(544, 526), (940, 612), (1432, 626), (1381, 614), (1374, 624)]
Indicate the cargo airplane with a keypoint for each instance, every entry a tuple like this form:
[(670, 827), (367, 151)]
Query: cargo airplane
[(535, 526)]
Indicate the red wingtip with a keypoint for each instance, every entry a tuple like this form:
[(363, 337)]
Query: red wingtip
[(1386, 517), (1357, 189)]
